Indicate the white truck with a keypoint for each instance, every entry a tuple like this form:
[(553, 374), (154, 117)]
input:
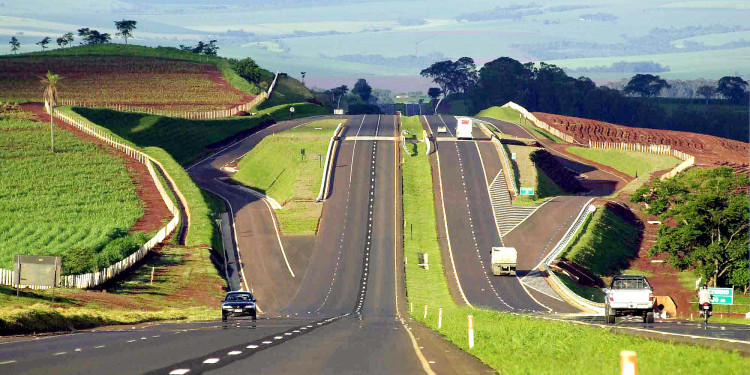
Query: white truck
[(463, 129), (629, 295), (504, 261)]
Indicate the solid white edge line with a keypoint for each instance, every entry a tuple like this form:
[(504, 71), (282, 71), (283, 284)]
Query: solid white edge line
[(445, 221), (494, 214), (422, 360), (354, 148), (278, 237)]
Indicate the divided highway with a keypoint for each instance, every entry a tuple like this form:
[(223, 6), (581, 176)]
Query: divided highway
[(341, 311)]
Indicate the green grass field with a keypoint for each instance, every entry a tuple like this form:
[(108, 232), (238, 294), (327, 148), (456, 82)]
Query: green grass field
[(604, 243), (187, 287), (632, 163), (54, 202), (566, 348), (275, 166)]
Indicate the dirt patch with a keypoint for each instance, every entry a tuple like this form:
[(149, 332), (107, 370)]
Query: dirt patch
[(707, 149), (156, 212)]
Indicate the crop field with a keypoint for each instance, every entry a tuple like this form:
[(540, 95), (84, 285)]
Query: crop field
[(566, 348), (276, 167), (99, 80), (52, 203)]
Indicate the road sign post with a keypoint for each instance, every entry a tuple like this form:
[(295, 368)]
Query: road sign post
[(722, 296), (527, 191)]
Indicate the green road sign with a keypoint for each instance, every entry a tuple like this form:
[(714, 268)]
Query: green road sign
[(513, 156), (722, 296), (527, 191)]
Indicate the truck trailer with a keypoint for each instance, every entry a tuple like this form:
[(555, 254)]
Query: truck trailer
[(463, 129), (504, 261)]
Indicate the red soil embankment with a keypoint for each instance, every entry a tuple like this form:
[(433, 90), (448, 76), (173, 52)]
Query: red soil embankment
[(707, 149)]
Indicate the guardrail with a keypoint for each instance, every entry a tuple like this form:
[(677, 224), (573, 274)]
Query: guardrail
[(541, 124), (93, 279), (559, 247), (501, 150), (326, 178)]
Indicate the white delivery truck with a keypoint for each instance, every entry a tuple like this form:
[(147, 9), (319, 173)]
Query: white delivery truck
[(504, 261), (463, 129)]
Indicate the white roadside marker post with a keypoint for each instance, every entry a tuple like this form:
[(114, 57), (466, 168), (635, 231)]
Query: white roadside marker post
[(628, 363), (411, 307), (471, 331), (425, 311), (440, 317)]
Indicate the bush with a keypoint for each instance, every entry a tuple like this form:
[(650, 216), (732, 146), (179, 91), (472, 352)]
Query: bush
[(79, 260), (120, 248)]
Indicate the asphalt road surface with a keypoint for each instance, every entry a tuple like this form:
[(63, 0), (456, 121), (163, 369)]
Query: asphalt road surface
[(341, 311)]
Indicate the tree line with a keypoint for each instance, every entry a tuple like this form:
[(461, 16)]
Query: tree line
[(547, 88)]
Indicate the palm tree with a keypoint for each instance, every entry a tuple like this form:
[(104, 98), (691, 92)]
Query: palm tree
[(50, 101)]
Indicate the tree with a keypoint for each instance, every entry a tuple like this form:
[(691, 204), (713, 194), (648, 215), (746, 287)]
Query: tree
[(64, 40), (248, 69), (93, 36), (44, 42), (645, 85), (710, 212), (340, 91), (125, 29), (732, 88), (303, 74), (434, 92), (50, 101), (706, 91), (460, 75), (14, 44), (362, 89)]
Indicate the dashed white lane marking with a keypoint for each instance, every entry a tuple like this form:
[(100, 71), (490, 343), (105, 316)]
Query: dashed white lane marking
[(133, 340), (278, 337), (77, 350), (234, 352), (60, 353), (179, 371), (211, 360), (8, 362), (266, 342), (252, 346), (473, 234), (100, 346)]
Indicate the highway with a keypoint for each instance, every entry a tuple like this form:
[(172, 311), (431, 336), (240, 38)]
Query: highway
[(341, 312)]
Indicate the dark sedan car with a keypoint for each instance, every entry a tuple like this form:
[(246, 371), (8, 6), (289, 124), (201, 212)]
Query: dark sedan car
[(238, 304)]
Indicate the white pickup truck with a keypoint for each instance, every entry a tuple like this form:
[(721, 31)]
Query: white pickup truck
[(629, 295), (504, 261)]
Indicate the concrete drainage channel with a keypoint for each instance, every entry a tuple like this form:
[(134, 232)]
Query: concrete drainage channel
[(226, 356)]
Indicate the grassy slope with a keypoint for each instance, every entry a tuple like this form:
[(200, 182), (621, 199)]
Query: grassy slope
[(567, 348), (52, 202), (186, 140), (275, 166), (186, 287), (158, 52), (604, 243), (287, 90), (511, 115), (632, 163)]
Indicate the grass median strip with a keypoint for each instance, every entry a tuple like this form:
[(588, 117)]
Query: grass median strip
[(277, 168), (513, 116), (514, 344)]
